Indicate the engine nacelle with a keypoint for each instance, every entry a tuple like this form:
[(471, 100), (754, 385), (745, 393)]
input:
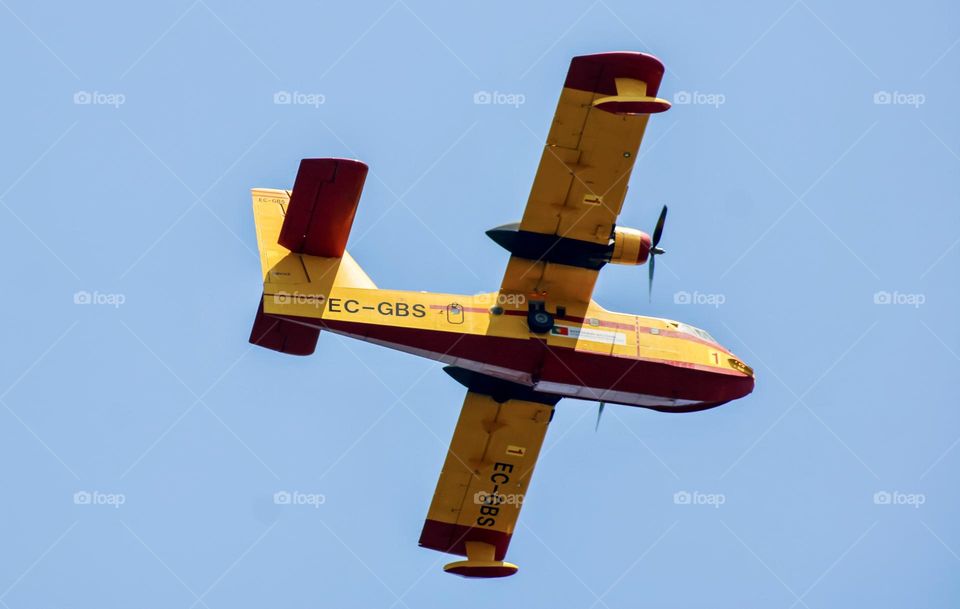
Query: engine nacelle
[(627, 246), (630, 246)]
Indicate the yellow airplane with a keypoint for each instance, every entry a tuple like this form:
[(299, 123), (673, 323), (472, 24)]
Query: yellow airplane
[(518, 350)]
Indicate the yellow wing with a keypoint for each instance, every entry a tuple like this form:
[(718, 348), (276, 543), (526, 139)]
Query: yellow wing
[(582, 178), (565, 237), (485, 478)]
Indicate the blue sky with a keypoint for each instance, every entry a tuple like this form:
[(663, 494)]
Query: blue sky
[(812, 182)]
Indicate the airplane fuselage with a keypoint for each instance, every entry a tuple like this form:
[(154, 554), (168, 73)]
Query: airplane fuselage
[(594, 355)]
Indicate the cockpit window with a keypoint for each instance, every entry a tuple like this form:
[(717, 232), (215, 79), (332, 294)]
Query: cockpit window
[(702, 334)]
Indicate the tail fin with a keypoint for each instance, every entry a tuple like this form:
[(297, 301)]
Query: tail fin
[(302, 238)]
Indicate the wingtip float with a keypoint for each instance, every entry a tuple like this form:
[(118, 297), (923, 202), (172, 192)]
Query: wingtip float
[(518, 350)]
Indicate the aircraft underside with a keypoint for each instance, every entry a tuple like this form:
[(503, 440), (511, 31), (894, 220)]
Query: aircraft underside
[(565, 372)]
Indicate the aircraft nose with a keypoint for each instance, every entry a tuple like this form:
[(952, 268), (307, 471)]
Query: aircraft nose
[(739, 366), (743, 385)]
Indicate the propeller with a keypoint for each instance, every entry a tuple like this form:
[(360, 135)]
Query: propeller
[(599, 414), (654, 250)]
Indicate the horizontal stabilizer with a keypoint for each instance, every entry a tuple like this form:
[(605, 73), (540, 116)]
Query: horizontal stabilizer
[(322, 206), (282, 335)]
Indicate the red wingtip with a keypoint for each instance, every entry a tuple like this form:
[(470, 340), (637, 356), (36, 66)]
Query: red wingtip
[(597, 72), (453, 538)]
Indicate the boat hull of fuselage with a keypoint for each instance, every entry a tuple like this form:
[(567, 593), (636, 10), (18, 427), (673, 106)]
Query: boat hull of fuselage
[(661, 385)]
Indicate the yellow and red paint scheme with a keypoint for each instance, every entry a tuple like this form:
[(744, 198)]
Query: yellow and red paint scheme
[(591, 353), (515, 370)]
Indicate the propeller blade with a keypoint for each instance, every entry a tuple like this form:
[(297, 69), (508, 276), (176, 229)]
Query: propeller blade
[(650, 266), (654, 250), (658, 231), (599, 414)]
